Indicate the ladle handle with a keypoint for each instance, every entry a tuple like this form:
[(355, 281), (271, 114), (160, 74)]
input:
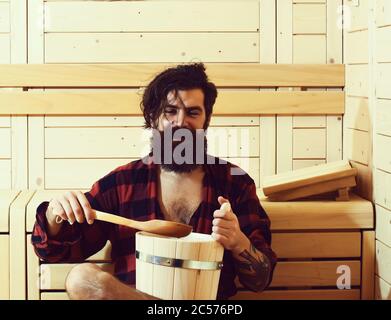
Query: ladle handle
[(103, 216)]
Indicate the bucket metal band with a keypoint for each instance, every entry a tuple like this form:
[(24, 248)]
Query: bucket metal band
[(179, 263)]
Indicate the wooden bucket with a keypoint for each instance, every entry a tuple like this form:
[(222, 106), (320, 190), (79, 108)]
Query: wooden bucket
[(185, 268)]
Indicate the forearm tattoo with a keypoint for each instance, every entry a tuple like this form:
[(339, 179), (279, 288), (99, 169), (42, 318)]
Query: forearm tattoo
[(253, 269)]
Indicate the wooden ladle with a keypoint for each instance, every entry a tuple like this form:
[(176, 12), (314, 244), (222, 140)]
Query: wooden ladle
[(161, 227)]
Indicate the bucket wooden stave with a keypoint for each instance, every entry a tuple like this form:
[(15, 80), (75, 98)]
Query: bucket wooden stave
[(185, 268)]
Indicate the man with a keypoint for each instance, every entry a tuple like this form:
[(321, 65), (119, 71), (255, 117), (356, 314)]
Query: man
[(177, 105)]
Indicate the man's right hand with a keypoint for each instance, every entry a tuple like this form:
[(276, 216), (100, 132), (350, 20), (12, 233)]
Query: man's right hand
[(71, 206)]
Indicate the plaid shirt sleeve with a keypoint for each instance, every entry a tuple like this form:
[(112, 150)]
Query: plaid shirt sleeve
[(77, 242), (255, 223)]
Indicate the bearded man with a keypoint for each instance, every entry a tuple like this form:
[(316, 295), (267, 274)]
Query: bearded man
[(176, 181)]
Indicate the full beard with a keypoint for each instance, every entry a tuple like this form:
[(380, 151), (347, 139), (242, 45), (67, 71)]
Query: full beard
[(180, 156)]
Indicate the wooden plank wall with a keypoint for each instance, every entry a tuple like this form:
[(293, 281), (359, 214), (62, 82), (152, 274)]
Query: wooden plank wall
[(94, 38), (367, 135), (5, 122), (382, 144), (13, 131), (358, 112), (305, 36)]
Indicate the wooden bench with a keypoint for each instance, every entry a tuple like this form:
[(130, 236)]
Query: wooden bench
[(311, 238)]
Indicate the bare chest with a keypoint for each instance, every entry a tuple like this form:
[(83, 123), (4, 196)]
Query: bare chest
[(180, 199)]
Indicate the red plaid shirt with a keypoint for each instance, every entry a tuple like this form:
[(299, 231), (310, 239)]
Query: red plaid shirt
[(131, 191)]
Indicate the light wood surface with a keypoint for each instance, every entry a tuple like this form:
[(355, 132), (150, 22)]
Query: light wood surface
[(383, 261), (96, 16), (303, 177), (317, 245), (160, 227), (382, 289), (318, 188), (312, 273), (53, 276), (122, 103), (136, 75), (179, 283), (326, 294), (331, 215), (32, 271), (6, 199), (368, 265)]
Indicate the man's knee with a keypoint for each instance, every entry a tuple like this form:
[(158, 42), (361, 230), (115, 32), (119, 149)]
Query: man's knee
[(85, 281)]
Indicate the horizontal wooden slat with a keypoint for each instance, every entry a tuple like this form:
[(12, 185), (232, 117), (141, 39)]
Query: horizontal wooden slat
[(156, 16), (308, 121), (357, 47), (305, 163), (135, 142), (309, 18), (88, 142), (357, 113), (383, 78), (383, 117), (138, 121), (136, 75), (317, 245), (309, 49), (307, 176), (120, 103), (78, 173), (382, 188), (358, 13), (84, 172), (382, 152), (141, 47), (309, 143), (357, 76), (306, 215), (383, 47), (326, 294), (358, 145), (383, 13), (53, 276), (312, 273)]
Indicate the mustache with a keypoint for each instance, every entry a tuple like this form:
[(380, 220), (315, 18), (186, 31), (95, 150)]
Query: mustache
[(179, 146)]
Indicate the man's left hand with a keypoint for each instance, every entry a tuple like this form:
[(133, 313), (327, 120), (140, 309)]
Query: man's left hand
[(226, 228)]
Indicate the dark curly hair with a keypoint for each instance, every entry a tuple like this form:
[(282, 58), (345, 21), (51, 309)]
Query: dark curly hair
[(181, 77)]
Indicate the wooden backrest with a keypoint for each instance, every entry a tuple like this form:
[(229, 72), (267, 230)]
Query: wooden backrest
[(231, 79)]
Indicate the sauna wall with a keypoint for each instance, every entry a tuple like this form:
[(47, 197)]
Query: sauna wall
[(13, 131), (381, 76), (284, 31), (367, 135)]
